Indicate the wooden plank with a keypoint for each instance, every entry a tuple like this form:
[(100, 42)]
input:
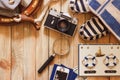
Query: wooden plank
[(23, 52), (5, 52), (53, 35), (42, 50), (29, 58), (77, 39), (17, 52), (113, 39), (114, 78)]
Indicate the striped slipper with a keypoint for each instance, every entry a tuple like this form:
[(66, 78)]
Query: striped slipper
[(80, 6), (109, 13), (93, 29)]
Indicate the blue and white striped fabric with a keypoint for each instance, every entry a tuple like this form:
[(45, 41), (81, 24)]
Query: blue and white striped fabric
[(93, 29), (80, 6), (109, 13)]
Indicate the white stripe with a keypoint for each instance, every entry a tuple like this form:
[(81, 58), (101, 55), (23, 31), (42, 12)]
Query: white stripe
[(101, 1), (86, 5), (101, 26), (75, 9), (90, 31), (84, 32), (94, 26), (101, 7), (104, 33), (86, 35), (100, 35), (80, 7), (114, 12), (94, 38)]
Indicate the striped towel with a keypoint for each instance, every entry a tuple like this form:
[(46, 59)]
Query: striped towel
[(109, 13), (93, 29), (80, 6)]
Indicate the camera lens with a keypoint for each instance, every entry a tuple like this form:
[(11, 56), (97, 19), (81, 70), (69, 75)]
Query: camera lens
[(63, 25)]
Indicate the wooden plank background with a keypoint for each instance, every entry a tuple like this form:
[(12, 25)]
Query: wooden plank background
[(23, 50)]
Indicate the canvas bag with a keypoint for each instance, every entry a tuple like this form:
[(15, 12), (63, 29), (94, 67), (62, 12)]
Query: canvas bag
[(6, 4), (9, 13), (109, 12), (9, 9)]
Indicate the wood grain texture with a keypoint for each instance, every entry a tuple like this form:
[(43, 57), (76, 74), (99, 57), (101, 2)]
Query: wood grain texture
[(29, 52), (52, 38), (5, 52), (17, 52), (24, 50)]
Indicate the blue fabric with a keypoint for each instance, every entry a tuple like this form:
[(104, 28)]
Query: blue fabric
[(53, 71), (72, 75), (104, 6), (111, 21), (116, 3), (94, 4)]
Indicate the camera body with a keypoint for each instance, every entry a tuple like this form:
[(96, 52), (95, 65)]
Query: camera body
[(61, 22)]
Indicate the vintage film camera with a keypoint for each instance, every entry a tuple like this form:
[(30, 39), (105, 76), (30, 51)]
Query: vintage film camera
[(61, 22)]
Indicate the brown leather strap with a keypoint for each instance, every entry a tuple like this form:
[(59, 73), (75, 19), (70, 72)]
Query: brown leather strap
[(25, 18), (32, 7), (6, 20)]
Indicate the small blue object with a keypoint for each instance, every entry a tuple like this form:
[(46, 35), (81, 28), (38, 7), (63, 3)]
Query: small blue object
[(111, 21), (71, 75), (94, 4), (116, 3)]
